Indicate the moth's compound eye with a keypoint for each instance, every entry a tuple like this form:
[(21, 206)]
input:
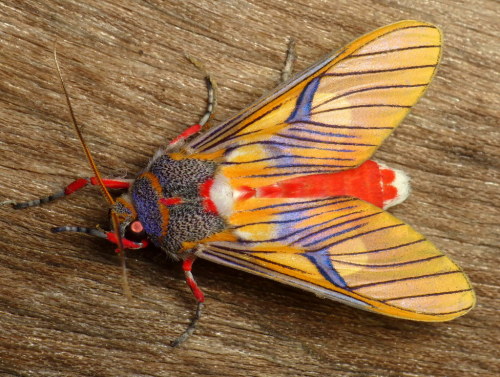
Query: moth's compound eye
[(135, 231)]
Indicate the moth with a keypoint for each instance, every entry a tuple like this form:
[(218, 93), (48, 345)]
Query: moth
[(286, 188)]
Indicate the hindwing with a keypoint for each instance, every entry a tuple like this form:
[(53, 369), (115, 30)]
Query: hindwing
[(348, 250)]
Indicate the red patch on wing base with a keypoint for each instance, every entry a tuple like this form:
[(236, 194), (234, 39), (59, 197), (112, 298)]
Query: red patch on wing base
[(170, 201), (246, 192), (208, 204)]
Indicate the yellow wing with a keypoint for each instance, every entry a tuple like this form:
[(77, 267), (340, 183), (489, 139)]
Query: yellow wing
[(347, 250), (333, 116)]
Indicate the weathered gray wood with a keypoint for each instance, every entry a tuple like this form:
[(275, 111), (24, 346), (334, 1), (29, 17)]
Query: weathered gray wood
[(62, 311)]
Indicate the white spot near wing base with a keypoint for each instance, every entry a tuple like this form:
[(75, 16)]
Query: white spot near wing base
[(221, 195)]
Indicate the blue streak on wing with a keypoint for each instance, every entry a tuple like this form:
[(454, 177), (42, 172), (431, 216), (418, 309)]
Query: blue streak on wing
[(323, 263), (304, 102)]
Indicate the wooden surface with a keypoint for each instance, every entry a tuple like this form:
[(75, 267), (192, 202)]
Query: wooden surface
[(62, 310)]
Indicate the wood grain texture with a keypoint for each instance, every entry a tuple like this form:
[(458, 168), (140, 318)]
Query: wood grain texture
[(62, 311)]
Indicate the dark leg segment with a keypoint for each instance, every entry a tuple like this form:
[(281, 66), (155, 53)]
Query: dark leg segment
[(191, 327), (211, 94)]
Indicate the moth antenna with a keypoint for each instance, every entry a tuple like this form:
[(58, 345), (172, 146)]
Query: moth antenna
[(86, 150), (97, 174)]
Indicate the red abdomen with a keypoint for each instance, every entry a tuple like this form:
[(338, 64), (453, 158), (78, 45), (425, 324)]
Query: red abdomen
[(371, 182)]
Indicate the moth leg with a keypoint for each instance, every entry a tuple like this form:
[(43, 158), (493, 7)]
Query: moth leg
[(211, 91), (120, 184), (291, 56), (211, 105), (187, 266), (108, 235), (194, 129)]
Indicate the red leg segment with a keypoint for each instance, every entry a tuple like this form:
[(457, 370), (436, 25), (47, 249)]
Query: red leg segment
[(183, 136), (187, 266)]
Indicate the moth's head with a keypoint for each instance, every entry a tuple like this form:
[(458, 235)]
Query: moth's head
[(131, 230)]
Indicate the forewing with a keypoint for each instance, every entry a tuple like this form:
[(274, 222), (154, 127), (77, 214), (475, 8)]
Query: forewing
[(348, 250), (333, 116)]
